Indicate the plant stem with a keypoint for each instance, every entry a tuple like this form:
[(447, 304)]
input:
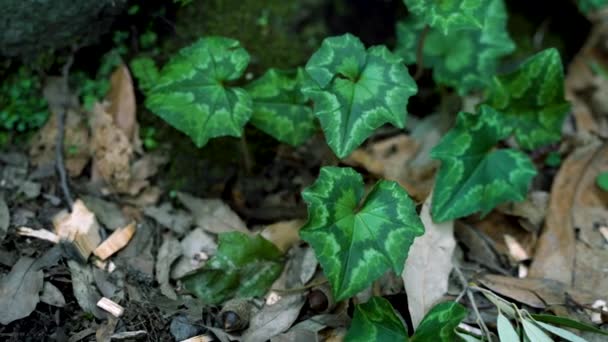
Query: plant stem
[(420, 53)]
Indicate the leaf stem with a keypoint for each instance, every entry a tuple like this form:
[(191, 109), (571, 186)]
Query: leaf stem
[(420, 54)]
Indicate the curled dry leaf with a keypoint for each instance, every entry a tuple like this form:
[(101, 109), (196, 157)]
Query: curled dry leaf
[(76, 143), (428, 265), (283, 234), (274, 319), (212, 215), (168, 252), (121, 97), (51, 295)]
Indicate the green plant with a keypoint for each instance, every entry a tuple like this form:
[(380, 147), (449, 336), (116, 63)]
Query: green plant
[(352, 90)]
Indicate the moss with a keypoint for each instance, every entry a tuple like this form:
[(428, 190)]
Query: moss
[(269, 30)]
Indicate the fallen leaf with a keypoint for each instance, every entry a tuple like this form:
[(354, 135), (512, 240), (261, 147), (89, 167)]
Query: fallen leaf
[(178, 221), (108, 213), (274, 319), (137, 255), (196, 248), (51, 295), (428, 265), (83, 285), (5, 218), (283, 234), (479, 247), (532, 210), (168, 252), (19, 291), (121, 97), (212, 215)]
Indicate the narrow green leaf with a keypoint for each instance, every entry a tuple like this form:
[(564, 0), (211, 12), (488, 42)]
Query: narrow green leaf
[(467, 337), (448, 16), (279, 107), (602, 181), (357, 240), (506, 332), (376, 320), (440, 322), (474, 176), (244, 266), (534, 333), (192, 93), (356, 91), (565, 334), (531, 99), (465, 60), (568, 322)]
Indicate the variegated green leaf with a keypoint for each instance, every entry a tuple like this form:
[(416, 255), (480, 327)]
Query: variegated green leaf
[(447, 16), (587, 6), (532, 99), (474, 176), (465, 60), (243, 266), (376, 320), (439, 323), (356, 90), (193, 95), (279, 107), (356, 239)]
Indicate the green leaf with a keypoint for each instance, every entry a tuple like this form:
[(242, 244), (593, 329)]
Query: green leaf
[(448, 16), (145, 71), (569, 323), (465, 60), (376, 320), (244, 266), (357, 240), (532, 99), (439, 323), (474, 175), (279, 107), (587, 6), (468, 338), (506, 332), (534, 333), (192, 93), (356, 91), (565, 334), (602, 181)]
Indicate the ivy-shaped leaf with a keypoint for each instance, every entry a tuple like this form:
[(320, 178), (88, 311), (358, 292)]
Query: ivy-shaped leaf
[(279, 107), (376, 320), (356, 91), (192, 92), (448, 16), (357, 240), (587, 6), (439, 323), (243, 266), (532, 99), (474, 176), (465, 60)]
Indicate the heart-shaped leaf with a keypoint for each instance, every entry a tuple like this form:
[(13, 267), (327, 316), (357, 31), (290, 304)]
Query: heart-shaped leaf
[(465, 60), (279, 107), (439, 323), (145, 71), (376, 320), (357, 240), (356, 91), (474, 176), (448, 16), (243, 266), (192, 93), (532, 99)]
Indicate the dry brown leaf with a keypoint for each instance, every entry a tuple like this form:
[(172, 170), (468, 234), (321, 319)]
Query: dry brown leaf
[(212, 215), (76, 143), (112, 151), (283, 234), (576, 203), (428, 265), (121, 97)]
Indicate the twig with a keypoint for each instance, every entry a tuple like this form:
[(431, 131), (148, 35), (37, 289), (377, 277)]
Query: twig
[(420, 53), (465, 285), (61, 115)]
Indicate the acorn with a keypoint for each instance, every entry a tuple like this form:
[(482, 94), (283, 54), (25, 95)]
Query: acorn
[(320, 299), (235, 315)]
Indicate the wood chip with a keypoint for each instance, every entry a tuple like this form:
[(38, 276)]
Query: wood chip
[(110, 306), (78, 228), (115, 242), (199, 338), (41, 234), (107, 266), (125, 335), (516, 250)]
